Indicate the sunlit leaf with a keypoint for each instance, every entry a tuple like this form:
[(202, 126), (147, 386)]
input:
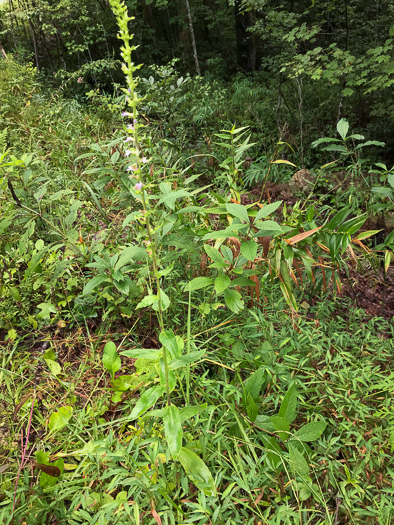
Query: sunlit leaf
[(197, 471), (283, 161), (60, 419), (111, 359), (173, 429), (147, 400), (222, 282), (249, 250), (198, 283), (343, 128)]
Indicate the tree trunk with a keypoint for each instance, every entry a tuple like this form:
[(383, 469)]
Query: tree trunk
[(3, 51), (33, 35), (192, 37), (246, 42)]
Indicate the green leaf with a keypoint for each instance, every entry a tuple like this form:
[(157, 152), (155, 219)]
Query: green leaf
[(148, 300), (54, 367), (249, 250), (41, 192), (356, 136), (251, 407), (333, 147), (255, 383), (173, 430), (288, 408), (384, 192), (198, 283), (243, 281), (352, 225), (343, 128), (60, 419), (172, 197), (238, 130), (168, 339), (264, 422), (237, 210), (12, 334), (144, 353), (186, 359), (274, 452), (338, 218), (147, 400), (96, 201), (365, 235), (122, 286), (267, 210), (213, 253), (370, 143), (189, 412), (347, 92), (165, 301), (222, 282), (197, 471), (298, 461), (233, 300), (289, 296), (111, 359), (124, 383), (282, 426), (190, 209), (230, 231), (311, 431), (268, 228), (323, 140), (129, 254), (93, 283), (115, 157), (46, 310)]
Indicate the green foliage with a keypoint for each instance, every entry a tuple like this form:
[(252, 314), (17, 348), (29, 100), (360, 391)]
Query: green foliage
[(175, 349)]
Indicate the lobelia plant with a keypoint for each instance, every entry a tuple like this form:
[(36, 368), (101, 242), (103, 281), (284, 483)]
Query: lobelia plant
[(169, 360)]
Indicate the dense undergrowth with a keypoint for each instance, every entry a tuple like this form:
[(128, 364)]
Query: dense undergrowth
[(175, 343)]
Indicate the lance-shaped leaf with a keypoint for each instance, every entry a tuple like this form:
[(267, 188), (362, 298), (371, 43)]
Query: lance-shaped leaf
[(288, 408), (173, 429), (197, 471), (283, 161), (186, 359), (146, 353), (147, 400)]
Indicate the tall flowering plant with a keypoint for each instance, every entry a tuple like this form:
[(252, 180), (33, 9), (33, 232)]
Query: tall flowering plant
[(169, 359)]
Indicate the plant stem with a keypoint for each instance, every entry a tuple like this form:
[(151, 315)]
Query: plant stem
[(188, 348), (129, 68)]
